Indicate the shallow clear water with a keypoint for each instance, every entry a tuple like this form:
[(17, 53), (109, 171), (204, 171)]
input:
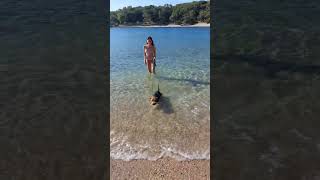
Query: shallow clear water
[(179, 125)]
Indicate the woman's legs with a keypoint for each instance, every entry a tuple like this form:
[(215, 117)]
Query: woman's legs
[(149, 64), (153, 68)]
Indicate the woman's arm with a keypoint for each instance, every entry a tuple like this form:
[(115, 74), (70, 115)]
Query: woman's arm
[(144, 54), (154, 56)]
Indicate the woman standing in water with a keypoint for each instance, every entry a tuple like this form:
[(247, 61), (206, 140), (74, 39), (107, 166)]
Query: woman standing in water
[(149, 52)]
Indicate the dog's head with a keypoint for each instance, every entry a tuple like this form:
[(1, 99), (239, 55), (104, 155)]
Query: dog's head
[(153, 100)]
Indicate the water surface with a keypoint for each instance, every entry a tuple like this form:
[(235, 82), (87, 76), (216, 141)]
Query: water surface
[(179, 125)]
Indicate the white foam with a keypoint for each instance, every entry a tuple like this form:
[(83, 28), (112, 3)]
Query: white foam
[(122, 150)]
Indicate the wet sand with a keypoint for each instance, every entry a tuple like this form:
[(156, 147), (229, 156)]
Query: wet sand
[(160, 169)]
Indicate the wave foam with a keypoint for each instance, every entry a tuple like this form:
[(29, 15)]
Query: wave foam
[(122, 150)]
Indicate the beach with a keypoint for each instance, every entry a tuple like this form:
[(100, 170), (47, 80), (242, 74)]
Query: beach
[(168, 26), (166, 168), (170, 140)]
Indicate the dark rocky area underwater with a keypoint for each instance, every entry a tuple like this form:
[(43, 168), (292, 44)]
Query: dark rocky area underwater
[(266, 90)]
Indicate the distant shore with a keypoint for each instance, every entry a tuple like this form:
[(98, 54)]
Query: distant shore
[(168, 26)]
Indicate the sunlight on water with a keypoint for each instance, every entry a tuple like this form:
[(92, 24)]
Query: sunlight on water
[(179, 125)]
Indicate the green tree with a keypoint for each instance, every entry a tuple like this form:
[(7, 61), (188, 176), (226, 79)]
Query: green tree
[(186, 13), (121, 17), (190, 17), (114, 19), (177, 14), (150, 15), (164, 14)]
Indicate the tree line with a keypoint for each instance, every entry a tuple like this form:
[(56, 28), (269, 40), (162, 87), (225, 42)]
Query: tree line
[(186, 13)]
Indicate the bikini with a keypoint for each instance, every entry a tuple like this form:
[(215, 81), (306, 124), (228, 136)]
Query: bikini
[(149, 53)]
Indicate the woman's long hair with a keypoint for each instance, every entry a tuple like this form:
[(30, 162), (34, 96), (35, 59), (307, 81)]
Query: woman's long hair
[(151, 40)]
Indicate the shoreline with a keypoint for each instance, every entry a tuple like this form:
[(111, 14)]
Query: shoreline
[(165, 26), (164, 168)]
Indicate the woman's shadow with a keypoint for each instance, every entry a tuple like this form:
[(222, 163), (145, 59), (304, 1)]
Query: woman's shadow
[(191, 81), (165, 105)]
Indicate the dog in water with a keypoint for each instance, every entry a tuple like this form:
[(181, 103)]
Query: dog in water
[(154, 99)]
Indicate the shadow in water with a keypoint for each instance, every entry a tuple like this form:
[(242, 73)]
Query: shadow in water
[(191, 81), (165, 105)]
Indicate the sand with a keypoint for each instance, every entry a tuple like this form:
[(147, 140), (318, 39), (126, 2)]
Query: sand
[(160, 169), (170, 25)]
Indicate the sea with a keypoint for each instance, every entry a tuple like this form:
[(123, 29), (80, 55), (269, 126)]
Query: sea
[(179, 125)]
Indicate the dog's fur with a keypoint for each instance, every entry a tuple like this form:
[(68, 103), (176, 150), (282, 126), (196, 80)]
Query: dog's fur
[(154, 99)]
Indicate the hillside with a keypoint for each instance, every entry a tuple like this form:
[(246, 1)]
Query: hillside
[(186, 13)]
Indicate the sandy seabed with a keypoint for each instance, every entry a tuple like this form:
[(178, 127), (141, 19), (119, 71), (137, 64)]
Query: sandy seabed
[(166, 168)]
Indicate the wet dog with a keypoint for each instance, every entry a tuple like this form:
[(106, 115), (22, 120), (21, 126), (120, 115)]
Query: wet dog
[(154, 99)]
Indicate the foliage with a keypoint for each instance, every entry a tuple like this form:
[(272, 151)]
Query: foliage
[(186, 13)]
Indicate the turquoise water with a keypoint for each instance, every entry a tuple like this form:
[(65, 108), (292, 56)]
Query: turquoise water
[(179, 125)]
